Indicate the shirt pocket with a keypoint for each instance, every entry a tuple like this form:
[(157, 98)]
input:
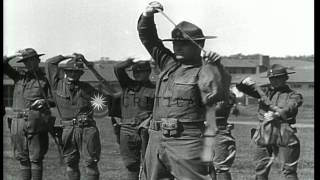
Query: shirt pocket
[(185, 92), (282, 100), (33, 91)]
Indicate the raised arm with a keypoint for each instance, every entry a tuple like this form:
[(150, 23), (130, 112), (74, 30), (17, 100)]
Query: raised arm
[(249, 87), (53, 69), (7, 68), (121, 74), (107, 89), (148, 35)]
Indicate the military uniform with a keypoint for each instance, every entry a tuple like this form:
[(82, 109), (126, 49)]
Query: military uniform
[(225, 145), (136, 107), (276, 137), (80, 135), (29, 126), (182, 93)]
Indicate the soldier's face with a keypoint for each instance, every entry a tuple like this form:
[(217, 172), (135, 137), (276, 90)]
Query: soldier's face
[(73, 75), (278, 81), (32, 63), (186, 51), (141, 75)]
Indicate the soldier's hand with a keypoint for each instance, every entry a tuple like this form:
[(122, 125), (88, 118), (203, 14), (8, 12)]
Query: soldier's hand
[(211, 57), (248, 81), (8, 58), (270, 116), (152, 8), (38, 104), (79, 56)]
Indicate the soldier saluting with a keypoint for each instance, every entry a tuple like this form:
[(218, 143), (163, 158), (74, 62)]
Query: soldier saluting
[(73, 99), (31, 119)]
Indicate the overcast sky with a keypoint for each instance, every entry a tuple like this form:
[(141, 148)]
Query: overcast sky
[(107, 28)]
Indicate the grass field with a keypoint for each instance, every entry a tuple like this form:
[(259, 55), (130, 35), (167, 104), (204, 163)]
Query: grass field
[(111, 166)]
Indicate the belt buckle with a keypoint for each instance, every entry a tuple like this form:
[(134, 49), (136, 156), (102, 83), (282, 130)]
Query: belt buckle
[(81, 122)]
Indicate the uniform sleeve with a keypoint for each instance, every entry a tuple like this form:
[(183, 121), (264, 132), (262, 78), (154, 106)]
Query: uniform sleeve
[(209, 83), (290, 109), (211, 88), (53, 70), (163, 57), (9, 71), (249, 90), (121, 74), (49, 95)]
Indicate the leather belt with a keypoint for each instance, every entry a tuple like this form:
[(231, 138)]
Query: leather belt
[(20, 113), (78, 122), (156, 125)]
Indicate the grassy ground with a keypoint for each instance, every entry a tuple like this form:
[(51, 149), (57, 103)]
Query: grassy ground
[(111, 166)]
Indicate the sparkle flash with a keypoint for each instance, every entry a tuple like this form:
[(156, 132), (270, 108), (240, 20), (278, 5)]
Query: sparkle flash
[(98, 102)]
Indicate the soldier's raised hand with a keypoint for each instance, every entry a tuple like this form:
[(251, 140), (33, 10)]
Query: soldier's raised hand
[(248, 81), (79, 56), (152, 8), (211, 57), (8, 58)]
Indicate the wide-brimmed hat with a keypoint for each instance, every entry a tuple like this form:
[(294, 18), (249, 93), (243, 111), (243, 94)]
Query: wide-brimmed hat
[(141, 66), (74, 65), (190, 29), (277, 70), (27, 54)]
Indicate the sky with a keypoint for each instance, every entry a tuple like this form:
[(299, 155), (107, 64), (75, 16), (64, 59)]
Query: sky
[(108, 28)]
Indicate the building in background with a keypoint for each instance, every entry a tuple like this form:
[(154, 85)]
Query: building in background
[(255, 66)]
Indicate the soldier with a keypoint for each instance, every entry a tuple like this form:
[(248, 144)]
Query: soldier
[(225, 145), (136, 109), (186, 95), (31, 119), (73, 99), (278, 108)]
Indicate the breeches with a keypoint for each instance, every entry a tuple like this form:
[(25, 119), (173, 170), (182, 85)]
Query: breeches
[(288, 155), (132, 147), (225, 151), (175, 157), (83, 142), (27, 147)]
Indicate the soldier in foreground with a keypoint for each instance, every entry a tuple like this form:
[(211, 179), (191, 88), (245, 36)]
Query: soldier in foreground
[(186, 95), (31, 119), (73, 98), (136, 109), (278, 108)]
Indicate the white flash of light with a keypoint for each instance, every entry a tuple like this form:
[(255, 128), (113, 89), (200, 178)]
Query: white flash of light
[(98, 102)]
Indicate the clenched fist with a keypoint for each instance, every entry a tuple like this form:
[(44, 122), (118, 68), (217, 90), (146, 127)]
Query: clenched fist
[(153, 8)]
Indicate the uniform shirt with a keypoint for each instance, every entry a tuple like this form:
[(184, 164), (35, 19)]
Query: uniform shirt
[(27, 88), (72, 99), (285, 98), (137, 97), (182, 91)]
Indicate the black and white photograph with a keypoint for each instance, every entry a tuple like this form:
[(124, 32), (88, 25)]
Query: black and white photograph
[(158, 90)]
